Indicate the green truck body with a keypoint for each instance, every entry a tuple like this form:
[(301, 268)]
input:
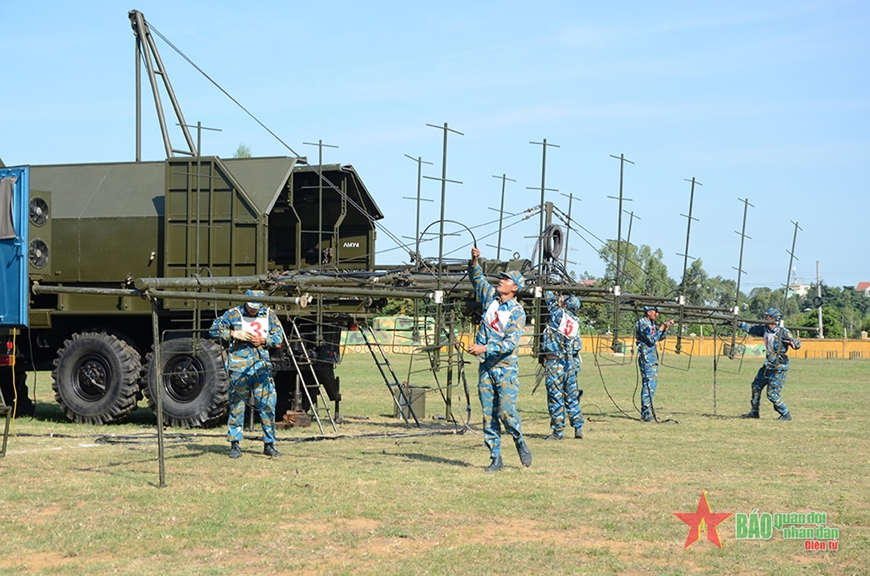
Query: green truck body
[(106, 225)]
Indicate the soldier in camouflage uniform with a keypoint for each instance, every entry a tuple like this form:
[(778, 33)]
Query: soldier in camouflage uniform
[(495, 345), (772, 374), (251, 330), (561, 345), (647, 336)]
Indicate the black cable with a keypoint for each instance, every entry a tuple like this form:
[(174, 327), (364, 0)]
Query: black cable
[(569, 221)]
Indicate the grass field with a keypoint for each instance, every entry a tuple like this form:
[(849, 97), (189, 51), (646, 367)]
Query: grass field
[(382, 499)]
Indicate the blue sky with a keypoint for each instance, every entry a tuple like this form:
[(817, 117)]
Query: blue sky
[(760, 100)]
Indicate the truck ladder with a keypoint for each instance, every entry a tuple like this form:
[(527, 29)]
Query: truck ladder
[(401, 395), (318, 403)]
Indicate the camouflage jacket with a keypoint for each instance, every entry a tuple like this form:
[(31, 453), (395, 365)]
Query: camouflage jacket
[(502, 323), (243, 356), (775, 342), (647, 336), (556, 340)]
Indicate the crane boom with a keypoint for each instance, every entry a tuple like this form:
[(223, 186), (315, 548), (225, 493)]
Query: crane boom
[(146, 51)]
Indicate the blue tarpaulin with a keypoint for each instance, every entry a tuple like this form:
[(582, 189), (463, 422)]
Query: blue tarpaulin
[(14, 200)]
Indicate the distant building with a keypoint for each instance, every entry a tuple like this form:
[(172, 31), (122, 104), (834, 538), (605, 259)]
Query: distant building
[(864, 287), (589, 283), (799, 289)]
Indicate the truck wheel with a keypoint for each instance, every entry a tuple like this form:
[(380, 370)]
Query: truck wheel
[(96, 377), (195, 383)]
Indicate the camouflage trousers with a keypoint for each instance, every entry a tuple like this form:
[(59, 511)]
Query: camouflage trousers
[(562, 395), (649, 374), (774, 379), (241, 384), (498, 389)]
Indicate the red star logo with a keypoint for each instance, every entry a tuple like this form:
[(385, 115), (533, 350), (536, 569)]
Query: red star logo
[(702, 520)]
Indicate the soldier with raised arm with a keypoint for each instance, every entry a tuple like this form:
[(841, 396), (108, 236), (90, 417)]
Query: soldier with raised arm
[(495, 345)]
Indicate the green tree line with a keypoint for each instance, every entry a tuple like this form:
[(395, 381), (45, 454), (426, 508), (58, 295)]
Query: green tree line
[(845, 311)]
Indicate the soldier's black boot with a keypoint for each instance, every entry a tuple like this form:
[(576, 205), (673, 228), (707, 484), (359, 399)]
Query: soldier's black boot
[(750, 414), (525, 455), (235, 451), (269, 450), (496, 465)]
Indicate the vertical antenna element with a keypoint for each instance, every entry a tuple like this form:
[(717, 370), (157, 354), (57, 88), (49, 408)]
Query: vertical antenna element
[(504, 180), (444, 182), (740, 272), (570, 198), (541, 274), (543, 189), (631, 218), (743, 237), (439, 306), (689, 219), (791, 260), (686, 257), (616, 280), (416, 256)]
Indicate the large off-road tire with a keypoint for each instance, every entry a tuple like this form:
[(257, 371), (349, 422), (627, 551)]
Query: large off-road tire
[(195, 383), (96, 377)]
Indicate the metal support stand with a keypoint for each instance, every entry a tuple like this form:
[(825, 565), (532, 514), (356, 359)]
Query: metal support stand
[(7, 411)]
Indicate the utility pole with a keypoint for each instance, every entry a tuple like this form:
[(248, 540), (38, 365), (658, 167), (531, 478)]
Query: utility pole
[(819, 294)]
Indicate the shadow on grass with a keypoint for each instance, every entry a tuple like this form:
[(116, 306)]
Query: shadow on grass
[(51, 412), (395, 426), (426, 458)]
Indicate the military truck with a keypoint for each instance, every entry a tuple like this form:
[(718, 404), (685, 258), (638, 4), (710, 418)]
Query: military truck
[(105, 225)]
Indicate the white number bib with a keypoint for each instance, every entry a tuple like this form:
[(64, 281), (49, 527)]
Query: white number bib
[(255, 326), (496, 319), (569, 326)]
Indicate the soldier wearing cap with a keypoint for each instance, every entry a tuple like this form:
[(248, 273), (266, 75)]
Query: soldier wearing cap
[(251, 329), (647, 336), (495, 345), (777, 339), (560, 347)]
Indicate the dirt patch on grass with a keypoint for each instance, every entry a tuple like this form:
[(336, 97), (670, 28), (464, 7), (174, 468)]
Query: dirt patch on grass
[(42, 562), (364, 545)]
